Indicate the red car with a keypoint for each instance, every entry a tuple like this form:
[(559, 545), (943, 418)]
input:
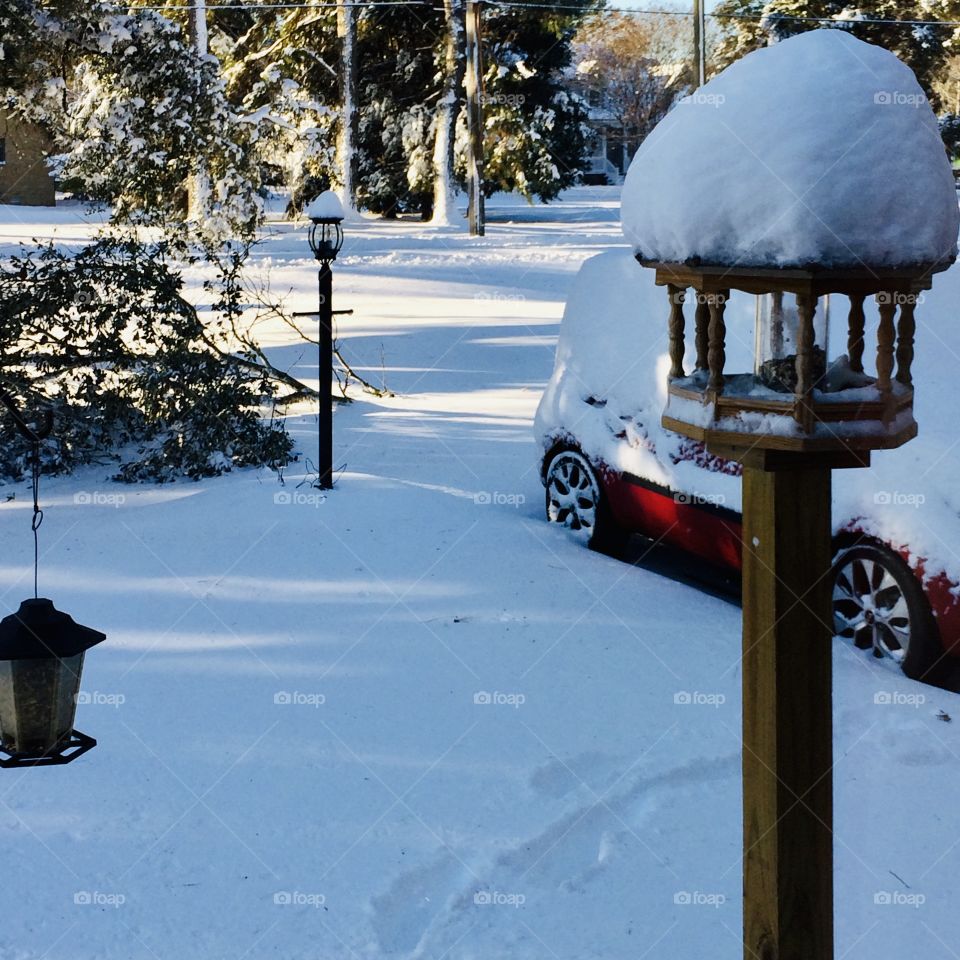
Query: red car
[(610, 471)]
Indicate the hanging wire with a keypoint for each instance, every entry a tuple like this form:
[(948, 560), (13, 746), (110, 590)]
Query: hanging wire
[(37, 515), (35, 435)]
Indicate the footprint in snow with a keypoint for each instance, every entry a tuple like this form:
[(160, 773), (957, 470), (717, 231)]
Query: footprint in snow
[(405, 911), (560, 776)]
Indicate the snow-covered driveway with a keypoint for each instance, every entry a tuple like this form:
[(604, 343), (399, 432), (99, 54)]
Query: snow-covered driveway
[(410, 720)]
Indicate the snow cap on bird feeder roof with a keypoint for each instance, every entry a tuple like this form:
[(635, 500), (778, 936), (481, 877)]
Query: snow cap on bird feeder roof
[(818, 150)]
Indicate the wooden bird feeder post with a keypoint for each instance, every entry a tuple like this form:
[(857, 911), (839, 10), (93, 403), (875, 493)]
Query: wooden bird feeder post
[(790, 422)]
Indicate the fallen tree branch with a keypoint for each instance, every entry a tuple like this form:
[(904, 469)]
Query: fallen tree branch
[(271, 308)]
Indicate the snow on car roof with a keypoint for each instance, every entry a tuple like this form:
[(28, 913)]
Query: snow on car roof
[(819, 149)]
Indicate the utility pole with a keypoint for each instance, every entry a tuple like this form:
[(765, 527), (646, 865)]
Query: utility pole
[(347, 138), (473, 84), (699, 43), (448, 108), (197, 27), (199, 182)]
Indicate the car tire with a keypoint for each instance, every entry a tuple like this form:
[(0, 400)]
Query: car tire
[(879, 605), (574, 496)]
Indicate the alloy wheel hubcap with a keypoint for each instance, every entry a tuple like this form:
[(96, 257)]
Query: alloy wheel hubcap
[(869, 607), (572, 494)]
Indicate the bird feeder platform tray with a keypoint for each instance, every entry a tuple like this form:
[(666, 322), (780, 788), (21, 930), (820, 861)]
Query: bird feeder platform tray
[(74, 745), (863, 420)]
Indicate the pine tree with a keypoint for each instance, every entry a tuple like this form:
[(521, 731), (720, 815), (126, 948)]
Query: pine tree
[(282, 67), (134, 113), (398, 91), (535, 127), (285, 64), (349, 116)]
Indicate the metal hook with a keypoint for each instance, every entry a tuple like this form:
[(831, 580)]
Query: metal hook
[(34, 434)]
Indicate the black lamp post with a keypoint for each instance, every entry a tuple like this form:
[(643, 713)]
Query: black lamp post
[(41, 658), (326, 238)]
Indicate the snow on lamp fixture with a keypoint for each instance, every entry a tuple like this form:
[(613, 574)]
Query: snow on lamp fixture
[(41, 659), (326, 232)]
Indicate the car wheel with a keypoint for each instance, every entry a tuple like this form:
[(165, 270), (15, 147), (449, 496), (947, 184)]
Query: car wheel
[(879, 605), (575, 498)]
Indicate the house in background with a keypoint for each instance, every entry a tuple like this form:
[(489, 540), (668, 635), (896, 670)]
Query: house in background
[(24, 177), (609, 154), (621, 111)]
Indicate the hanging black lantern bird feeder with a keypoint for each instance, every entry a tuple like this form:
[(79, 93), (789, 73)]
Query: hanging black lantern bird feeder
[(41, 658)]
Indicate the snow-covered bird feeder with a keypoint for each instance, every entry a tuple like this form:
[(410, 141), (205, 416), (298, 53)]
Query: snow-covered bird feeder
[(809, 170), (812, 174)]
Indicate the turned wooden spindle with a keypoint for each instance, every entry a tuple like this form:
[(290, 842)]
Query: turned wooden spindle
[(855, 325), (677, 295), (803, 404), (906, 328), (885, 338), (716, 352), (702, 317)]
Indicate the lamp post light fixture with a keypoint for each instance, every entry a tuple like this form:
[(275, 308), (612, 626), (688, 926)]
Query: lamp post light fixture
[(326, 239), (41, 658), (326, 232)]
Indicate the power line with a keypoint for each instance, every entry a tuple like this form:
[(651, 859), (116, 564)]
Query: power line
[(724, 16), (558, 7), (867, 21), (273, 6)]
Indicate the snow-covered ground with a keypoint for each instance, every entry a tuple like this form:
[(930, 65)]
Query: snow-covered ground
[(409, 719)]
